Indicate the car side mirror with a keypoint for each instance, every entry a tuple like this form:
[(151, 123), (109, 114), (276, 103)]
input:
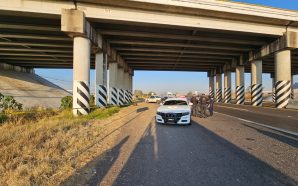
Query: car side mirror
[(190, 104)]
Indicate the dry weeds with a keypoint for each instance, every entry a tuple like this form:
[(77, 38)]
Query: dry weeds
[(42, 152)]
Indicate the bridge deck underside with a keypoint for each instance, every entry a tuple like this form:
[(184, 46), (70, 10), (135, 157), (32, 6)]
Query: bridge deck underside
[(39, 43)]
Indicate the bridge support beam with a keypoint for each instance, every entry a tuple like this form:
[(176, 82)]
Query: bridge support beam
[(227, 83), (81, 75), (218, 97), (101, 91), (113, 77), (282, 62), (240, 90), (256, 83)]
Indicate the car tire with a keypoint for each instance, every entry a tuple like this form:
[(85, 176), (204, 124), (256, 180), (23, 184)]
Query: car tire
[(189, 123)]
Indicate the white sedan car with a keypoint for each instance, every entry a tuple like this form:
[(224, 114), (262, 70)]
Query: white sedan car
[(174, 111), (153, 99)]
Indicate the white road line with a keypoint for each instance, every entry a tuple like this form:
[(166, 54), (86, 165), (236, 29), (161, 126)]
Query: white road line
[(263, 125), (232, 108)]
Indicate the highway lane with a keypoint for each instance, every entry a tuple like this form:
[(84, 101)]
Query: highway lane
[(280, 118), (146, 153)]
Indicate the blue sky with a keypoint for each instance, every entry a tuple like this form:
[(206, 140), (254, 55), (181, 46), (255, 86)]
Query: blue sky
[(161, 82)]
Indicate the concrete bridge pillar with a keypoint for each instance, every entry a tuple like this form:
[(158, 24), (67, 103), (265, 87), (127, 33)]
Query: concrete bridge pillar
[(101, 91), (273, 87), (282, 62), (211, 84), (126, 87), (256, 83), (227, 83), (81, 75), (292, 87), (113, 77), (240, 90), (218, 97), (120, 85)]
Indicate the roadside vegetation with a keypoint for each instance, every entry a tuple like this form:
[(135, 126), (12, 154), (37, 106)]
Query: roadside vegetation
[(40, 146)]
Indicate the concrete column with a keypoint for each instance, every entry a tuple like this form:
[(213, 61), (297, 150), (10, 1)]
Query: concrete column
[(120, 78), (240, 90), (211, 86), (126, 81), (218, 97), (126, 87), (282, 62), (292, 87), (256, 83), (227, 85), (101, 92), (81, 75), (120, 85), (113, 77), (273, 87)]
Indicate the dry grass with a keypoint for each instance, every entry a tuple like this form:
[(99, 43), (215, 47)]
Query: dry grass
[(43, 152)]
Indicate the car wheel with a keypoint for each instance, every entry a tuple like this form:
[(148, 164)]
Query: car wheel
[(189, 123)]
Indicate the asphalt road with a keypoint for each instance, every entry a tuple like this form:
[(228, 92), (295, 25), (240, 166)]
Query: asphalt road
[(150, 154), (280, 118)]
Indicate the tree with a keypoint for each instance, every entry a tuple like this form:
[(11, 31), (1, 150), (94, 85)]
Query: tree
[(150, 93), (138, 93), (189, 94)]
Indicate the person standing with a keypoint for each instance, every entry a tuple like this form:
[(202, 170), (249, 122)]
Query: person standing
[(203, 105), (211, 103), (194, 102)]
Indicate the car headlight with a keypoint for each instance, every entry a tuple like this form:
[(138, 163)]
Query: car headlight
[(185, 113), (159, 113)]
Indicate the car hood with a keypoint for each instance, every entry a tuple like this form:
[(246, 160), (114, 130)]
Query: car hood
[(174, 108)]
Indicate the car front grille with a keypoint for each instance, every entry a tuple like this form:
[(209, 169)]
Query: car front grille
[(171, 117)]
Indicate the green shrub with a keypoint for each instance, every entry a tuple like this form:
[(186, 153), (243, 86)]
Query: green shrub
[(66, 102), (9, 103), (92, 101), (3, 118)]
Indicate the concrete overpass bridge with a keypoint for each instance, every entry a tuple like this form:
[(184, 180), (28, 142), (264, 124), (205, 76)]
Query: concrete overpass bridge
[(174, 35)]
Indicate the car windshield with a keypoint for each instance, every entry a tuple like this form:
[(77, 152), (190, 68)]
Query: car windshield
[(152, 97), (175, 102)]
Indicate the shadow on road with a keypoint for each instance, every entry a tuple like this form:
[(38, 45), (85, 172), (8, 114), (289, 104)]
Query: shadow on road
[(194, 155), (142, 109), (285, 138), (93, 172)]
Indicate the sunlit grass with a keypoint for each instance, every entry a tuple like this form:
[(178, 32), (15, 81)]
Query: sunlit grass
[(43, 150)]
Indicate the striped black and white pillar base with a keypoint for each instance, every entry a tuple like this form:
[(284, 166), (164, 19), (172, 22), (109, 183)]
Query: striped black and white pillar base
[(121, 96), (211, 92), (282, 93), (127, 96), (81, 98), (227, 93), (130, 96), (113, 96), (101, 96), (240, 94), (256, 95), (273, 94), (218, 95)]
